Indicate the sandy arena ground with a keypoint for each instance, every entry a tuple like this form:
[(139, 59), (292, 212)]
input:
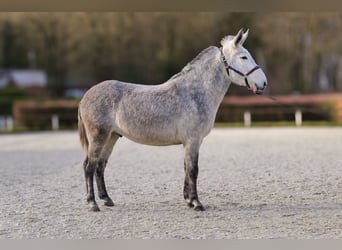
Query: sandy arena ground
[(254, 183)]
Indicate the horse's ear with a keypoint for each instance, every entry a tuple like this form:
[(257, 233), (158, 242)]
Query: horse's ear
[(237, 39), (244, 37)]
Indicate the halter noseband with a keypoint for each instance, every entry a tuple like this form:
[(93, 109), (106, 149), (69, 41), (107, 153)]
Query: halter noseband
[(228, 67)]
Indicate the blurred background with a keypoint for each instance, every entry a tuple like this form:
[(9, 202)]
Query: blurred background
[(48, 61)]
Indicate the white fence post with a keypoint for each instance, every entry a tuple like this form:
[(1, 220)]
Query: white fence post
[(298, 118), (55, 122), (9, 123), (2, 123), (247, 118)]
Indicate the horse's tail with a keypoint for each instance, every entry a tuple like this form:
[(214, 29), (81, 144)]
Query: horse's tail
[(82, 133)]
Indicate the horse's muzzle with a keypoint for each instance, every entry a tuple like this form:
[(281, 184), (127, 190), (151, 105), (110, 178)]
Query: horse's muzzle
[(259, 90)]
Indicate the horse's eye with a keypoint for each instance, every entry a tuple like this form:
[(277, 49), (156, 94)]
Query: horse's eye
[(244, 57)]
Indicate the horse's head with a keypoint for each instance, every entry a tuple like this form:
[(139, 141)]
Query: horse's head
[(241, 67)]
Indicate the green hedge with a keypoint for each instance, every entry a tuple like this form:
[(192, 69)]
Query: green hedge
[(7, 97)]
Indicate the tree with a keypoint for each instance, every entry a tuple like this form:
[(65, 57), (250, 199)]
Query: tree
[(13, 50)]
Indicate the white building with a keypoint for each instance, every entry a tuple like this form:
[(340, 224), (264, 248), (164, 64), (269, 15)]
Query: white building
[(23, 78)]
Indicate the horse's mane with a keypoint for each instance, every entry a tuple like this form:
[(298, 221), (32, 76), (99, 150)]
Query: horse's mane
[(192, 64)]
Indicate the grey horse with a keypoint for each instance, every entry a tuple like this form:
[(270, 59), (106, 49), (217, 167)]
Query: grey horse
[(180, 111)]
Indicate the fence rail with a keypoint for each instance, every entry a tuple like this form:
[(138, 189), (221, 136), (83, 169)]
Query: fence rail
[(327, 107), (63, 113)]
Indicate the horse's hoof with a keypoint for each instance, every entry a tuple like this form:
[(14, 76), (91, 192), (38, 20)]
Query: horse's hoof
[(108, 203), (94, 208), (196, 205), (199, 208)]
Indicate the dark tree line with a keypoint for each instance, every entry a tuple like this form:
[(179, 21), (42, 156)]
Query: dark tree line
[(300, 52)]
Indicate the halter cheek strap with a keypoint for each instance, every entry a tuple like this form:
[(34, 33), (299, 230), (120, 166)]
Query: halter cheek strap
[(228, 67)]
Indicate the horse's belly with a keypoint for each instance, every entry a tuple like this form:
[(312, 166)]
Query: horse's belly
[(154, 139), (150, 133), (147, 125)]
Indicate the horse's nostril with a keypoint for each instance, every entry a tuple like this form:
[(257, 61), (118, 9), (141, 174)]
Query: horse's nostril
[(261, 86)]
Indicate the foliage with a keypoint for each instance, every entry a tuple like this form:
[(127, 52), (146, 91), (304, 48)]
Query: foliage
[(7, 97), (300, 52)]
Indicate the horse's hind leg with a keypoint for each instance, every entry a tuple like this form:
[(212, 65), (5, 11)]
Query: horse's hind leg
[(99, 173), (92, 162), (89, 166), (191, 173), (102, 191)]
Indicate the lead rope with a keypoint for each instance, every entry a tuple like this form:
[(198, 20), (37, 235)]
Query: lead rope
[(294, 107)]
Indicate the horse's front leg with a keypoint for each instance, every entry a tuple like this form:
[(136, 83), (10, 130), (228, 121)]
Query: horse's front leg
[(191, 173)]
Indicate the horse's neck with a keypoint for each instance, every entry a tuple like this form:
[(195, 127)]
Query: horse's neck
[(220, 80), (205, 75), (213, 78)]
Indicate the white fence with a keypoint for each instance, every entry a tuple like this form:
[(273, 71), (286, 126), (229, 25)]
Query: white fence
[(6, 123), (298, 118)]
